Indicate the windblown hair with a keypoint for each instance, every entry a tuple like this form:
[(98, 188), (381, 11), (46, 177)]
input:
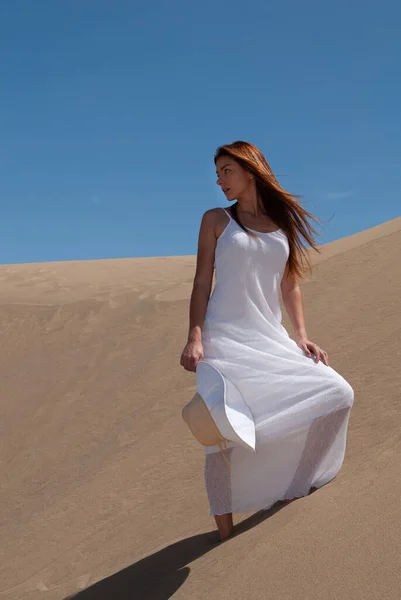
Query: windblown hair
[(283, 208)]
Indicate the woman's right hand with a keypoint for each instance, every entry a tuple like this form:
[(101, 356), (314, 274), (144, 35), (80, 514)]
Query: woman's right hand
[(191, 355)]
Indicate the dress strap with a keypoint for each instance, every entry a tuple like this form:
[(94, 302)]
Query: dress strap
[(228, 214)]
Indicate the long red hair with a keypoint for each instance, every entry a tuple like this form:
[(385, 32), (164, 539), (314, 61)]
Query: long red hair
[(283, 208)]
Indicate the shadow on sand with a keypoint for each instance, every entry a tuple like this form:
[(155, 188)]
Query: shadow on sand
[(159, 575)]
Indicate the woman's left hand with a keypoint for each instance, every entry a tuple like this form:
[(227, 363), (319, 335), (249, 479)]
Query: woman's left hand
[(312, 349)]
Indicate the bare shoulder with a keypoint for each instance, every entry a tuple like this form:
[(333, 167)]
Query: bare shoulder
[(216, 219), (214, 215)]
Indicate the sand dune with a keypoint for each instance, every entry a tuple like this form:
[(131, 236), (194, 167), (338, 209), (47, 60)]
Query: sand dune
[(101, 485)]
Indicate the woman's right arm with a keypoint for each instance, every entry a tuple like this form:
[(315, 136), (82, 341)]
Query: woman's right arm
[(193, 351)]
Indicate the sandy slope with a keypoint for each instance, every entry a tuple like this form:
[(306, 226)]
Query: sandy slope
[(100, 480)]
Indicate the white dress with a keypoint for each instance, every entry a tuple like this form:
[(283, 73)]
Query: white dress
[(287, 416)]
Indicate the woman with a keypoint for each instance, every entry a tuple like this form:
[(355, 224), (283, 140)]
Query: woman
[(296, 405)]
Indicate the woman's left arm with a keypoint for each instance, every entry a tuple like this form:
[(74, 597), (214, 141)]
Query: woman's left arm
[(292, 299)]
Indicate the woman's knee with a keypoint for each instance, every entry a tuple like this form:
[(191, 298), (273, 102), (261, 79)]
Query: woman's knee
[(346, 391)]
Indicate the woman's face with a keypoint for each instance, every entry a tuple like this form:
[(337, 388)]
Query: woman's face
[(232, 178)]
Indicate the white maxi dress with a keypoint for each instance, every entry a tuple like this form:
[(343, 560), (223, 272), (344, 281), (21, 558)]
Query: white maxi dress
[(285, 414)]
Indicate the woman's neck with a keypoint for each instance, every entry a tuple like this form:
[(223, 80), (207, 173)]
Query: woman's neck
[(250, 205)]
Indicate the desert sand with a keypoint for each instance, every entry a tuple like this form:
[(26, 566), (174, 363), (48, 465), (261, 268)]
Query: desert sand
[(101, 485)]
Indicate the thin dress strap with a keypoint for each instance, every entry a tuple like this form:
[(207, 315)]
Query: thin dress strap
[(227, 213)]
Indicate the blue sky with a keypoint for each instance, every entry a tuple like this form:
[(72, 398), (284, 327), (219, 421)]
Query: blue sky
[(110, 112)]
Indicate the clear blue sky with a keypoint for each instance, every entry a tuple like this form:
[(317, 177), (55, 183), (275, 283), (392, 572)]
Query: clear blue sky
[(110, 112)]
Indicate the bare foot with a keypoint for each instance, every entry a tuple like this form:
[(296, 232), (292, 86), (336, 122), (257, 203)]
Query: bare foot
[(287, 501), (224, 525)]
